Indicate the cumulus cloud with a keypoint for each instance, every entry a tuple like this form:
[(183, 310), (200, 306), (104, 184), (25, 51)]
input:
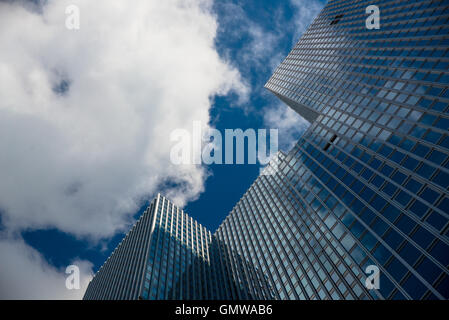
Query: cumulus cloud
[(24, 274), (289, 123), (86, 115), (259, 51)]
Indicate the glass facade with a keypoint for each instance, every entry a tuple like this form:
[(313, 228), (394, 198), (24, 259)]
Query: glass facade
[(164, 256), (169, 255), (121, 276), (373, 167), (290, 243), (366, 185), (178, 264)]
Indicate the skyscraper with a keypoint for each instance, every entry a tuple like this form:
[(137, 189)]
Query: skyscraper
[(278, 233), (121, 276), (364, 189), (164, 256), (169, 255), (269, 247), (372, 169)]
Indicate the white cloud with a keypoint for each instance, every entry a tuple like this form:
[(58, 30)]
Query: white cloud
[(289, 123), (262, 44), (86, 116), (81, 160), (262, 49), (24, 274)]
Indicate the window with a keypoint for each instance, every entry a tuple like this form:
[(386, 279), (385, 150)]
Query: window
[(336, 19)]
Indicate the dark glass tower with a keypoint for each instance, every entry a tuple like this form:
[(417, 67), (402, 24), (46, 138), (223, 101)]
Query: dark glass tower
[(121, 276), (276, 231), (168, 255), (372, 172), (297, 227), (164, 256)]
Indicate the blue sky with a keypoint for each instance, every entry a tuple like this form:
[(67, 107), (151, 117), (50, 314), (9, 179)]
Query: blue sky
[(269, 26), (253, 36)]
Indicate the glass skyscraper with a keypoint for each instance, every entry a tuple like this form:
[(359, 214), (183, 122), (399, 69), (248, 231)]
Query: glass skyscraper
[(372, 170), (164, 256), (366, 184), (274, 228)]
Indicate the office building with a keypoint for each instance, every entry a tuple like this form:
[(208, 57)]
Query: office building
[(373, 165), (164, 256)]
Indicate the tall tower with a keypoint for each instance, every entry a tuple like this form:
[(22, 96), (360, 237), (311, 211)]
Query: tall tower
[(121, 276), (164, 256), (371, 173), (273, 229)]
